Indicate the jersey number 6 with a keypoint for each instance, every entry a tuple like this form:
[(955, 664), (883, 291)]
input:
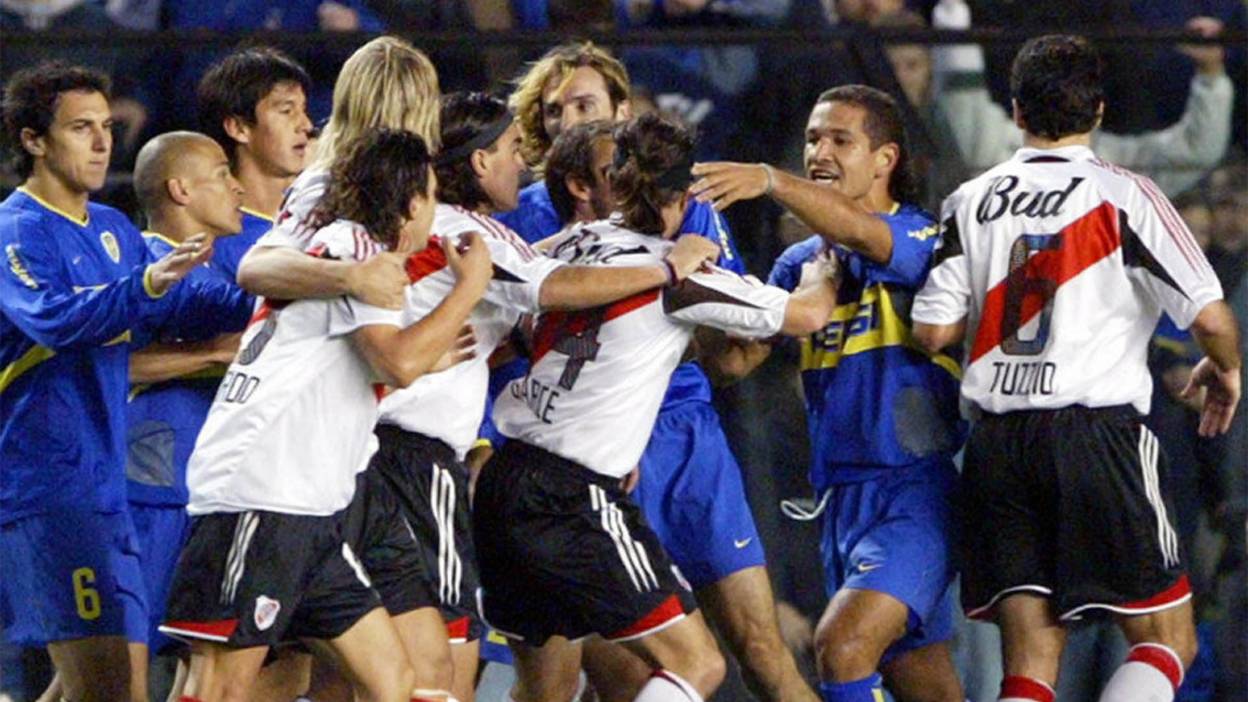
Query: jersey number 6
[(1022, 284)]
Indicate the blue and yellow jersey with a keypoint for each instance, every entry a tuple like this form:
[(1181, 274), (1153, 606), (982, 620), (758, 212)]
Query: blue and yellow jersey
[(164, 418), (70, 292), (229, 250), (874, 399), (535, 219)]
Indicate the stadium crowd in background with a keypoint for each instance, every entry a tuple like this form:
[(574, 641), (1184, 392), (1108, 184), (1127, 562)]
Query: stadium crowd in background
[(451, 248)]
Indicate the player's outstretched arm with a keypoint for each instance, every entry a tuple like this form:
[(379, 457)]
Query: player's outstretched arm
[(400, 356), (728, 359), (828, 212), (161, 361), (936, 337), (584, 287), (285, 273), (1218, 373), (36, 297), (814, 300)]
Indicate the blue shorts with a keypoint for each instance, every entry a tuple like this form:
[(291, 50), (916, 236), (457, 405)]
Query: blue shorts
[(161, 532), (71, 575), (691, 493), (894, 534)]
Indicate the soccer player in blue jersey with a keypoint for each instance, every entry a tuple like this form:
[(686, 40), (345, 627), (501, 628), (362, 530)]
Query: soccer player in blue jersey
[(709, 529), (184, 185), (76, 278), (882, 413), (254, 104)]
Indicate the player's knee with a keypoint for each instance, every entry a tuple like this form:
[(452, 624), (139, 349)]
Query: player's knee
[(707, 671), (434, 669), (846, 655)]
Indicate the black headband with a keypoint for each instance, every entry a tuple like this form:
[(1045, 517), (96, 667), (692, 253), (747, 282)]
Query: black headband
[(488, 135)]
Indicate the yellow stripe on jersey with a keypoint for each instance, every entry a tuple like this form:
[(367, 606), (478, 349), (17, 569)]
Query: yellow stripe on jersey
[(28, 360), (495, 637), (256, 213), (866, 324), (80, 221)]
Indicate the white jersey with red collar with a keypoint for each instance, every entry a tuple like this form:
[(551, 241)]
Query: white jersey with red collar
[(598, 376), (449, 405), (291, 227), (292, 422), (1062, 264)]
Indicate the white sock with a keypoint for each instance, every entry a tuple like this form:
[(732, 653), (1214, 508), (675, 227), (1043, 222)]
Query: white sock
[(666, 686), (1151, 673)]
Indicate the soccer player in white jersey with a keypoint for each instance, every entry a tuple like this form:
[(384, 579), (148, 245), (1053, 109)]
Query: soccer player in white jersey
[(385, 84), (563, 552), (427, 428), (287, 435), (1055, 267)]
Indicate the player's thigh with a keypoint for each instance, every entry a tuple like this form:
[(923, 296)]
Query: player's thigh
[(546, 673), (924, 674), (743, 608), (868, 621), (465, 658), (218, 673), (423, 633), (372, 656), (686, 648), (1032, 638), (96, 668), (616, 673), (1173, 627)]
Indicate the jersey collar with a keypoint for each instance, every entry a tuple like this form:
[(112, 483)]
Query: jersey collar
[(1076, 152), (257, 214), (53, 208)]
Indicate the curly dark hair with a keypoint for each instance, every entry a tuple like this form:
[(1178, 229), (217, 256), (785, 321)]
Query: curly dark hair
[(465, 116), (883, 125), (648, 149), (374, 182), (1056, 81), (572, 156), (237, 83), (30, 99)]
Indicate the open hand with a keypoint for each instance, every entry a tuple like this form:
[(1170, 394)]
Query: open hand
[(174, 265), (1221, 396), (722, 183)]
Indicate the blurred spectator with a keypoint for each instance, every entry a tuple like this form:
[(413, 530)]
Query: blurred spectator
[(1228, 225), (129, 111), (705, 87), (859, 11), (1175, 157), (559, 15)]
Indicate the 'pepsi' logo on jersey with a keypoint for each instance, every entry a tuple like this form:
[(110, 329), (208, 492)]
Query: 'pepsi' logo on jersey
[(837, 332)]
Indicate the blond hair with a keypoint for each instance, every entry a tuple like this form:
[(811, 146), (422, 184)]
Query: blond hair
[(559, 63), (387, 83)]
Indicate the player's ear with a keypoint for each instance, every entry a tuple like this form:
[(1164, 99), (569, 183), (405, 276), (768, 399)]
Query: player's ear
[(579, 190), (34, 144), (176, 190), (1017, 115), (886, 158), (1100, 114), (623, 111), (479, 164), (237, 129)]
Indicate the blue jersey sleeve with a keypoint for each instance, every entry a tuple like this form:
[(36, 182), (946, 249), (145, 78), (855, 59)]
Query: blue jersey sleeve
[(535, 217), (703, 220), (914, 241), (786, 272), (37, 296)]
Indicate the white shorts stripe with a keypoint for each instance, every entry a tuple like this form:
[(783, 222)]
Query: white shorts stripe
[(236, 559), (1166, 536), (600, 504)]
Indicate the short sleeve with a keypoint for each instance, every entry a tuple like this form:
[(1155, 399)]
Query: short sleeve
[(786, 272), (914, 241), (946, 296), (729, 302), (348, 314), (519, 272)]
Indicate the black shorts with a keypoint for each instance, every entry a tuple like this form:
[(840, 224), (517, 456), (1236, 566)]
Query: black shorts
[(391, 552), (1069, 504), (257, 578), (564, 552), (431, 486)]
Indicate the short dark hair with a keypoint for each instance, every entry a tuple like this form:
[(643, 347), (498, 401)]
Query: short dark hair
[(647, 150), (465, 117), (233, 87), (572, 156), (1056, 82), (30, 99), (883, 125), (374, 182)]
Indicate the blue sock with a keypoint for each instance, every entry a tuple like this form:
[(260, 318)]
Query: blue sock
[(869, 689)]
